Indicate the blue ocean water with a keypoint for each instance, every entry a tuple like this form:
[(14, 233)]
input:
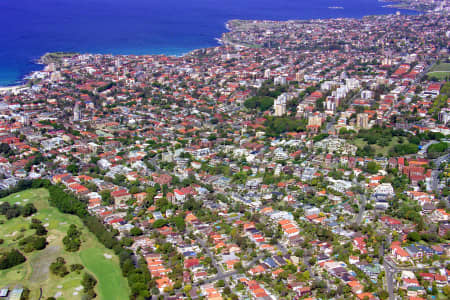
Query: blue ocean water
[(30, 28)]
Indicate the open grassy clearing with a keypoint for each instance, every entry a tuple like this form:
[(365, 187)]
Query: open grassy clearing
[(35, 274), (440, 71), (106, 268), (441, 67), (359, 142), (440, 75)]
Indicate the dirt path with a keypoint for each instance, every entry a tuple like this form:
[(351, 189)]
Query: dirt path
[(41, 263)]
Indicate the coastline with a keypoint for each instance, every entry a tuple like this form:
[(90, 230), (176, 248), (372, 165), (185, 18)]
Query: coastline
[(401, 4), (45, 59), (220, 41), (12, 88), (398, 6)]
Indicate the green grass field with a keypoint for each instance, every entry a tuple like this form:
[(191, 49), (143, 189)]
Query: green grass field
[(442, 75), (440, 71), (378, 149), (108, 270), (34, 273), (441, 67)]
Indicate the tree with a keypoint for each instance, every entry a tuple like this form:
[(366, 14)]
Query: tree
[(446, 290), (59, 267), (106, 197), (11, 259), (73, 168), (6, 150), (160, 223), (179, 223), (372, 167), (135, 231), (277, 125), (73, 231), (414, 236), (434, 290), (220, 283), (261, 103), (10, 211), (76, 267), (305, 276), (39, 243), (151, 193), (383, 294), (404, 149), (239, 267), (89, 282), (37, 225), (435, 150), (32, 243), (72, 240), (28, 210)]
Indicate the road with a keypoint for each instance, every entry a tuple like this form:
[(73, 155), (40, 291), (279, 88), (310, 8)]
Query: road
[(423, 151), (216, 265), (362, 209), (426, 70), (389, 271), (311, 272), (329, 126), (221, 274), (434, 181), (282, 249), (225, 275), (363, 202), (389, 279), (396, 268), (154, 162), (438, 161), (308, 267), (433, 186)]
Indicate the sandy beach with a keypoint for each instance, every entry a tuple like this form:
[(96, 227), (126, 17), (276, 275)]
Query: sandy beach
[(13, 89)]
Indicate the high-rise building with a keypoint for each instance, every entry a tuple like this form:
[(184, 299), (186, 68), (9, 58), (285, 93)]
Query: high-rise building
[(76, 112), (279, 105), (315, 120), (25, 119), (366, 94), (299, 76), (362, 121), (331, 103), (280, 80), (444, 116)]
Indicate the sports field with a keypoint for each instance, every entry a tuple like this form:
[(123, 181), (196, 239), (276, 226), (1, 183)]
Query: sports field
[(440, 71), (34, 273)]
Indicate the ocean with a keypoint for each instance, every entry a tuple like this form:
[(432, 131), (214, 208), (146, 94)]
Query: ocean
[(30, 28)]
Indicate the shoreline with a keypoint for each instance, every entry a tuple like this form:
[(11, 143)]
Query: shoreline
[(12, 88), (40, 61), (219, 41), (402, 4), (398, 6)]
